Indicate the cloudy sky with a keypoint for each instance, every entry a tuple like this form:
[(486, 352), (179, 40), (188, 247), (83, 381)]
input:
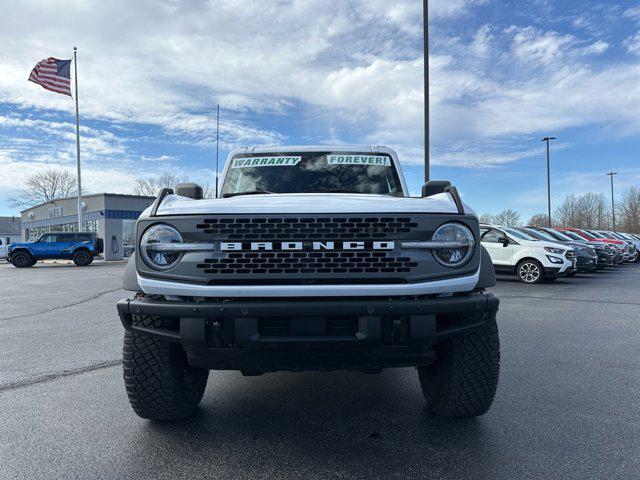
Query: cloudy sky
[(504, 74)]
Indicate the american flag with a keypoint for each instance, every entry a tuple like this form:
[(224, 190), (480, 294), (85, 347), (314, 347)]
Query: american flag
[(53, 74)]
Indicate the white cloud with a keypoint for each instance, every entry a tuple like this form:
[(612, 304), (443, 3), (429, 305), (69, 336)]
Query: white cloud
[(632, 44), (532, 45), (633, 13), (596, 48)]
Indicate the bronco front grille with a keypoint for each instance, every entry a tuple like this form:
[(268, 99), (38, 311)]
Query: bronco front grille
[(303, 249), (336, 228), (307, 262)]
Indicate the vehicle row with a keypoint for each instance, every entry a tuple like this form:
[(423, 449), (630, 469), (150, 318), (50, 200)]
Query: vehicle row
[(538, 254)]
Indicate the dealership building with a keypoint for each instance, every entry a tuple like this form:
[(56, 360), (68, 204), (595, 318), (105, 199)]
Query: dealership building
[(111, 216)]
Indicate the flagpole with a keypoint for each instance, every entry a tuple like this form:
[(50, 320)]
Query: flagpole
[(217, 141), (75, 70)]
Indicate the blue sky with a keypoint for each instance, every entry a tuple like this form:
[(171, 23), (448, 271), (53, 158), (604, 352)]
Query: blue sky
[(504, 74)]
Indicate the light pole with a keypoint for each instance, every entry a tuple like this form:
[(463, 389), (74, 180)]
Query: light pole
[(548, 140), (425, 24), (613, 203)]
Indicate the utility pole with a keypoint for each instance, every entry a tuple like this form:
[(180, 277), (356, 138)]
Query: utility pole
[(613, 202), (427, 156), (548, 140)]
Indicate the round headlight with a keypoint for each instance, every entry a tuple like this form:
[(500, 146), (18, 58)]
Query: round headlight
[(155, 246), (458, 244)]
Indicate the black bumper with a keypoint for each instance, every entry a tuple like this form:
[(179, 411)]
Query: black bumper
[(554, 272), (257, 336)]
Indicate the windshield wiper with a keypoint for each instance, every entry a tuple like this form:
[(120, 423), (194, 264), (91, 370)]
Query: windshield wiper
[(248, 192)]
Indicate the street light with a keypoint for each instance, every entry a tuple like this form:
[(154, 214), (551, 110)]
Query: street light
[(613, 203), (548, 140)]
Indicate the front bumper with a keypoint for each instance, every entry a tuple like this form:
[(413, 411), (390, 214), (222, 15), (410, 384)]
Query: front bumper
[(263, 335), (585, 263)]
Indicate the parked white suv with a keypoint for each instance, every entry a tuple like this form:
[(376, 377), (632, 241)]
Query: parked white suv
[(514, 252)]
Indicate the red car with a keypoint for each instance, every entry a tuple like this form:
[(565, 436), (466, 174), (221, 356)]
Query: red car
[(591, 238)]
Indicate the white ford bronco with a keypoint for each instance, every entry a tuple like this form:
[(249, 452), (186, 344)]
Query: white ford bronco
[(311, 258)]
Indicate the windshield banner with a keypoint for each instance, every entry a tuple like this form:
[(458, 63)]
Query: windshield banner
[(251, 162), (358, 160)]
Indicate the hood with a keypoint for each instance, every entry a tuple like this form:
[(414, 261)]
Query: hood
[(542, 244), (20, 244), (308, 203)]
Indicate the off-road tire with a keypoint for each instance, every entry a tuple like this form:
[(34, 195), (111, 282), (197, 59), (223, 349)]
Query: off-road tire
[(462, 381), (82, 258), (533, 266), (160, 383), (22, 260)]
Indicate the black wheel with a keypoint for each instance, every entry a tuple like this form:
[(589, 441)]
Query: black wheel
[(82, 258), (462, 381), (530, 271), (22, 260), (160, 383)]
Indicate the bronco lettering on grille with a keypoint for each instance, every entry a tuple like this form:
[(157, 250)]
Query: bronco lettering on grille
[(304, 246)]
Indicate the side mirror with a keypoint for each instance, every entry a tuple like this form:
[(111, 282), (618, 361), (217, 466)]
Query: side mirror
[(433, 187), (505, 241), (190, 190)]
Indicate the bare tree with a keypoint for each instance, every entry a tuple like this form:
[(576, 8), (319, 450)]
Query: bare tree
[(567, 214), (585, 211), (602, 213), (45, 187), (508, 218), (151, 186), (628, 211), (539, 220), (208, 190), (486, 218)]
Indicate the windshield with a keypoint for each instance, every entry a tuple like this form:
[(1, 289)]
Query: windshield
[(573, 235), (312, 172), (588, 235), (561, 235), (542, 235), (519, 234)]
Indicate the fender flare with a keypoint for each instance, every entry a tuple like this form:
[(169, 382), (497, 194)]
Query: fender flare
[(80, 247), (130, 277), (23, 250), (487, 271)]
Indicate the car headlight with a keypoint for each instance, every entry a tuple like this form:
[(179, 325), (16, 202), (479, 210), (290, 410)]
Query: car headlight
[(557, 251), (458, 244), (156, 246)]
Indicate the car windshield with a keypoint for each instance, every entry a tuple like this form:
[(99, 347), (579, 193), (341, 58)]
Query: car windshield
[(561, 235), (519, 234), (542, 235), (588, 235), (573, 235), (329, 172)]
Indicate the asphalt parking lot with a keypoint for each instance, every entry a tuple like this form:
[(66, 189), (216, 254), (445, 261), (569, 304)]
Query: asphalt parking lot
[(568, 403)]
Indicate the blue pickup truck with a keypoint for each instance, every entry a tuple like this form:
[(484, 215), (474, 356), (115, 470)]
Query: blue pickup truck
[(81, 247)]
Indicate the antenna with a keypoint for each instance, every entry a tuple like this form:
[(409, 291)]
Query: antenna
[(217, 143), (425, 21)]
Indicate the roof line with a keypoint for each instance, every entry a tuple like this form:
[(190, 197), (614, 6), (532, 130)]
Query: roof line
[(88, 196)]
